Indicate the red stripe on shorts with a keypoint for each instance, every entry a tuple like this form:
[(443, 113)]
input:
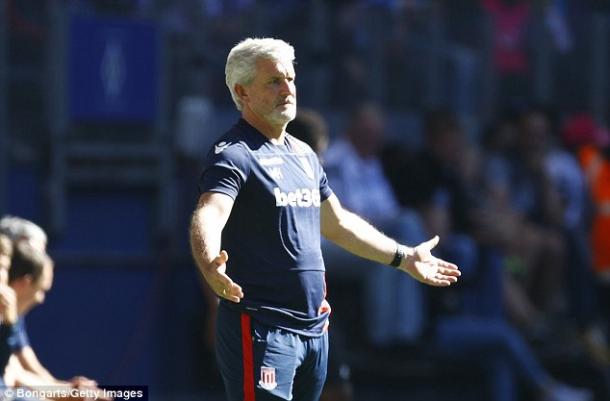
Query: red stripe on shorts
[(246, 348)]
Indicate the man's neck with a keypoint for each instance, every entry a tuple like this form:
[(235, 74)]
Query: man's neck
[(274, 133)]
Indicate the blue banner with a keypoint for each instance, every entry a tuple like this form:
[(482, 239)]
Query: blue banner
[(113, 70)]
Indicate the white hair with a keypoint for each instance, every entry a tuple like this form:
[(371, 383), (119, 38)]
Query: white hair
[(18, 229), (241, 62)]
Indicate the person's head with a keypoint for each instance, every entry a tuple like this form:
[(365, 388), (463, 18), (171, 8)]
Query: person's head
[(536, 129), (310, 127), (444, 135), (582, 129), (260, 76), (6, 254), (18, 229), (501, 135), (30, 276), (365, 129)]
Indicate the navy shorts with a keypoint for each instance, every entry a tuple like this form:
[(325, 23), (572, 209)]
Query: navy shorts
[(261, 363)]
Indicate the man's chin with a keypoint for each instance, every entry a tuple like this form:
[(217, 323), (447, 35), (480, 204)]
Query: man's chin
[(284, 117)]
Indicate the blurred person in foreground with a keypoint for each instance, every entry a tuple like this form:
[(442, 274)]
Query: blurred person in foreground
[(30, 242), (264, 202)]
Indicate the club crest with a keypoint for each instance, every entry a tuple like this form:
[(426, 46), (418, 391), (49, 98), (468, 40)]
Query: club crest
[(267, 380)]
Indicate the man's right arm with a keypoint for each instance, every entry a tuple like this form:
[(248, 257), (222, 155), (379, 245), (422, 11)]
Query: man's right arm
[(208, 221)]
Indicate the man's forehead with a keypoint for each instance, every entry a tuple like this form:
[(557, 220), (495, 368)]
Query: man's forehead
[(271, 66)]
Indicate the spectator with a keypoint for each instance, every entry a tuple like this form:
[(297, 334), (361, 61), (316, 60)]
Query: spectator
[(472, 313), (532, 216), (589, 143), (356, 174), (510, 19)]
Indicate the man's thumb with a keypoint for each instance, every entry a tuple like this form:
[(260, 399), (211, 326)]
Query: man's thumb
[(221, 258), (433, 242)]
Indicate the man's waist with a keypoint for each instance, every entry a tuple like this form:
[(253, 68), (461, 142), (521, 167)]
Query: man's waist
[(294, 321)]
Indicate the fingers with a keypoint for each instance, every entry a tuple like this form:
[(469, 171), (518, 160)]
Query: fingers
[(430, 244), (446, 271), (446, 265), (228, 289), (437, 272), (224, 286)]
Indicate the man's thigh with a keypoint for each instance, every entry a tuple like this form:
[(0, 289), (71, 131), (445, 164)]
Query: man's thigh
[(260, 363)]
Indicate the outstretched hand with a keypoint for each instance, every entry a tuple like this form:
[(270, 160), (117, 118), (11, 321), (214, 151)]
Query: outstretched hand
[(428, 269), (218, 280)]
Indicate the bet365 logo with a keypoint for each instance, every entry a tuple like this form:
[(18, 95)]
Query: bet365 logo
[(303, 197)]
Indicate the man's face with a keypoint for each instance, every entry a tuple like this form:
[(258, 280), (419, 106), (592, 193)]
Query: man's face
[(272, 94), (31, 293)]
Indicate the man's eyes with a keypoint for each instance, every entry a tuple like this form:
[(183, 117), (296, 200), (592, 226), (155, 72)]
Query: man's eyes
[(279, 80)]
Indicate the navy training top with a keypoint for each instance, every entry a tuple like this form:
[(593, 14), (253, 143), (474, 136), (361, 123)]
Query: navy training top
[(19, 338), (273, 233)]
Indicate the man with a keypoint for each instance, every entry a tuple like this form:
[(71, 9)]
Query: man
[(30, 277), (25, 361), (265, 194)]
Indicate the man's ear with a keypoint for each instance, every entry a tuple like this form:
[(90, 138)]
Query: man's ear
[(242, 92)]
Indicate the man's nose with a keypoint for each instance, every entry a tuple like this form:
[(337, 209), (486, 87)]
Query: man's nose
[(287, 87)]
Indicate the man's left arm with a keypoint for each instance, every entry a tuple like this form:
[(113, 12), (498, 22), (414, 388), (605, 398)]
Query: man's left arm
[(355, 235), (29, 361)]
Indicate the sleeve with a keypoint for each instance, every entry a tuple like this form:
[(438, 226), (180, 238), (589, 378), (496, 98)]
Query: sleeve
[(225, 171), (19, 337), (325, 190)]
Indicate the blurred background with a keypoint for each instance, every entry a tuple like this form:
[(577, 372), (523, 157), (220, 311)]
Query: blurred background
[(489, 124)]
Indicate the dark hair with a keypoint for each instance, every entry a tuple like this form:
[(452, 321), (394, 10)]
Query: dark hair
[(309, 127), (27, 260), (439, 121)]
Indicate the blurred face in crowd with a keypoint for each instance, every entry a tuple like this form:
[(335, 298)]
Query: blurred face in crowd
[(366, 131), (503, 137), (535, 128), (32, 292), (448, 144), (271, 97)]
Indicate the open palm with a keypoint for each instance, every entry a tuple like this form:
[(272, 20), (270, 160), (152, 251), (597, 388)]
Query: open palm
[(428, 269)]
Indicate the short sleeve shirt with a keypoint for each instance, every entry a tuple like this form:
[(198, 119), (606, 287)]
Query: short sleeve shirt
[(273, 233)]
